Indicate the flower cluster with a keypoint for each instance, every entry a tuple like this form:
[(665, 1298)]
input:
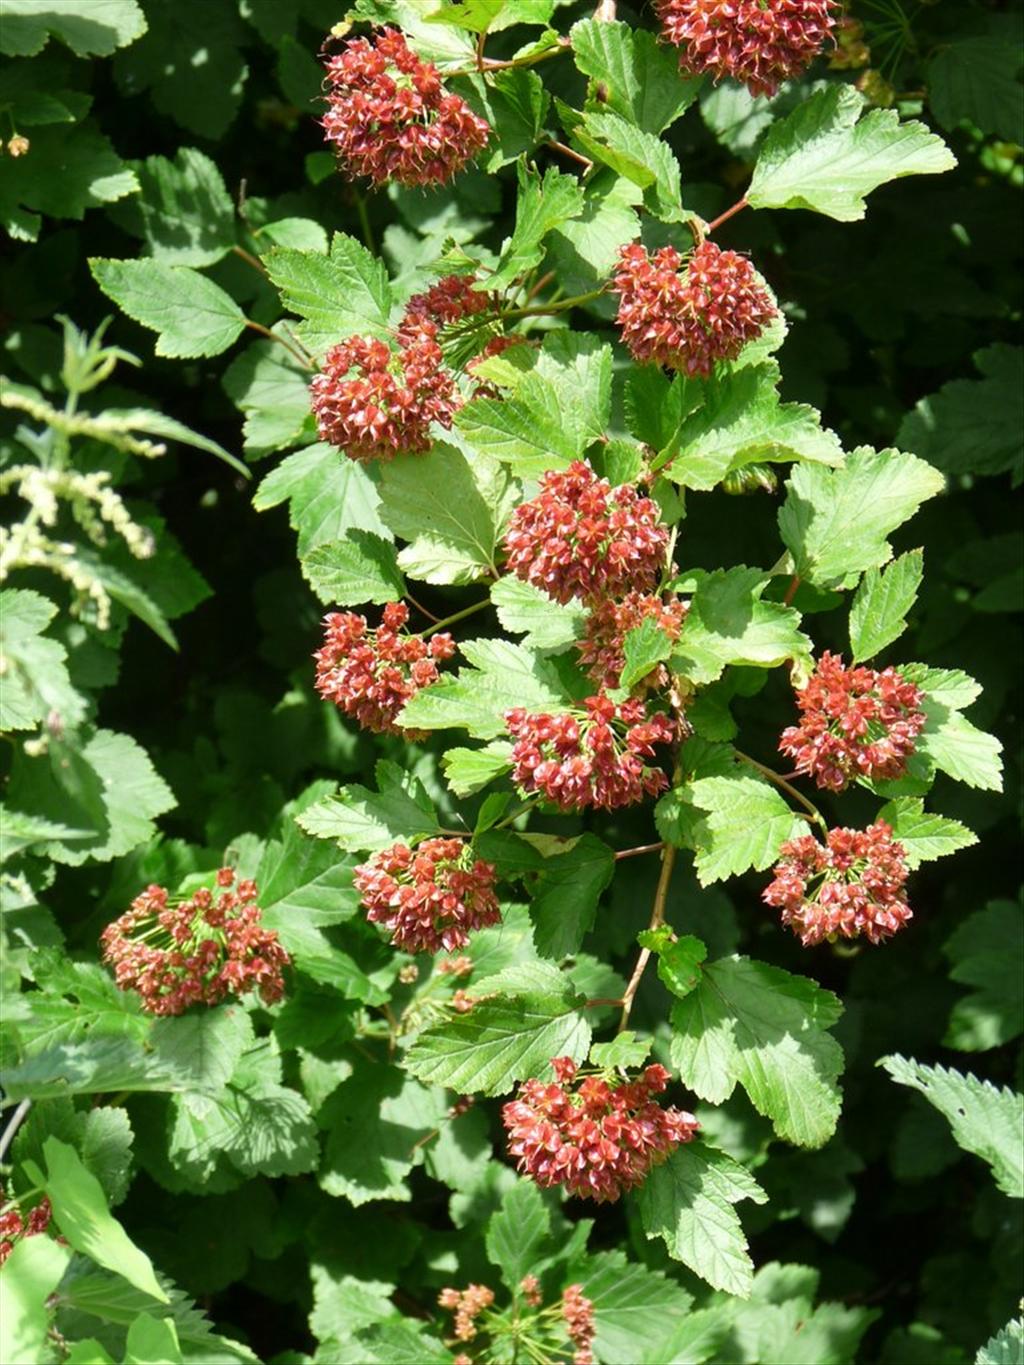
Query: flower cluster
[(14, 1224), (371, 674), (578, 1313), (598, 1140), (594, 757), (854, 722), (429, 898), (601, 649), (390, 117), (853, 886), (529, 1287), (467, 1305), (688, 321), (759, 42), (375, 402), (448, 301), (580, 537), (179, 952)]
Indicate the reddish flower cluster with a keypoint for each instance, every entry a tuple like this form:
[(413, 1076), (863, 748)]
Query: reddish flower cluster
[(429, 898), (389, 116), (467, 1306), (375, 402), (455, 966), (448, 301), (195, 951), (689, 321), (371, 674), (852, 887), (578, 1313), (529, 1287), (580, 537), (597, 1140), (14, 1224), (601, 649), (595, 757), (759, 42), (855, 722)]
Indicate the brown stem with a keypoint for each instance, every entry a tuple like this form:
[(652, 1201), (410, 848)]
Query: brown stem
[(568, 151), (273, 336), (668, 862), (794, 583), (480, 43), (724, 217), (599, 1001), (642, 848), (422, 609), (772, 776), (250, 259), (541, 284)]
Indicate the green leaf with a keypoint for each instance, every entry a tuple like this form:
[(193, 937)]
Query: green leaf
[(32, 1272), (924, 835), (679, 959), (878, 613), (987, 952), (746, 822), (66, 172), (641, 157), (451, 508), (636, 1310), (1005, 1348), (688, 1202), (151, 423), (193, 316), (626, 1050), (360, 568), (765, 1028), (985, 1120), (584, 252), (36, 683), (81, 1213), (517, 1233), (742, 421), (327, 496), (526, 610), (468, 771), (335, 295), (272, 392), (501, 1041), (971, 426), (152, 1341), (87, 1352), (978, 79), (568, 889), (541, 206), (640, 77), (186, 213), (360, 820), (95, 31), (836, 522), (204, 1047), (644, 647), (515, 104), (728, 624), (822, 158), (949, 741), (106, 1147)]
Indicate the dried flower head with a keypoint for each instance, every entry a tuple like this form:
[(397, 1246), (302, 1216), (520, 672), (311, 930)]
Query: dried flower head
[(688, 321), (389, 116), (601, 649), (578, 1315), (590, 757), (375, 402), (580, 537), (599, 1139), (467, 1305), (854, 722), (851, 887), (431, 897), (758, 42), (371, 674), (178, 951)]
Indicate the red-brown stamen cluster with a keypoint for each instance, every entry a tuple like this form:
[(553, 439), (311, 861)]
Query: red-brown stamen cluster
[(591, 757), (580, 537), (759, 42), (178, 952), (852, 887), (599, 1139), (448, 301), (601, 649), (578, 1314), (688, 321), (431, 897), (15, 1224), (854, 722), (390, 117), (529, 1287), (371, 674), (467, 1305)]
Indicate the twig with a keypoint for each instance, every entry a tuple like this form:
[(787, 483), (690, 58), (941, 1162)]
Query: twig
[(794, 583), (584, 161), (724, 217), (772, 776), (250, 259), (642, 848), (12, 1126), (456, 616), (273, 336), (668, 862)]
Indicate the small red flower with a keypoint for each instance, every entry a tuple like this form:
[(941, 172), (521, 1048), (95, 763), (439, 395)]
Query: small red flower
[(688, 321), (599, 1139), (390, 117), (580, 537), (431, 897), (16, 1225), (591, 757), (851, 887), (601, 649), (855, 722), (371, 674), (375, 402), (759, 42), (179, 952), (578, 1315), (467, 1305), (448, 301)]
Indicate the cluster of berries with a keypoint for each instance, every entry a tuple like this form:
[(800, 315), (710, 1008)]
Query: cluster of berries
[(390, 117), (758, 42), (851, 887), (14, 1224), (688, 320), (428, 898), (578, 1314), (599, 1139), (854, 722), (574, 1311), (601, 650), (195, 951), (371, 674)]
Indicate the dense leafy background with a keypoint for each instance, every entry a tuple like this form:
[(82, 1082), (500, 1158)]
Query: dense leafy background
[(903, 330)]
